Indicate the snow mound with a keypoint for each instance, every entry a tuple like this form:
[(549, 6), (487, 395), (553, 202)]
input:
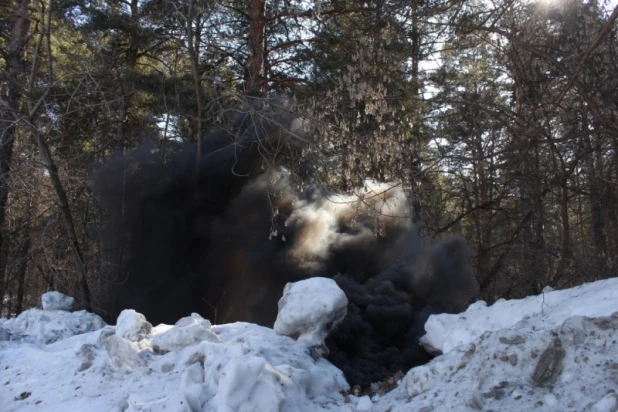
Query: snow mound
[(132, 325), (47, 326), (247, 368), (570, 367), (187, 331), (548, 310), (56, 301), (310, 309)]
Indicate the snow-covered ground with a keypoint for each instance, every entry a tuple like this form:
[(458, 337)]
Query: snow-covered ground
[(554, 352)]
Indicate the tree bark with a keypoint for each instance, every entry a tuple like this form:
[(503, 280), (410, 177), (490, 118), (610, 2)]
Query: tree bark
[(11, 91), (123, 129), (193, 47), (126, 88), (256, 76), (594, 198), (414, 166), (21, 271), (529, 177)]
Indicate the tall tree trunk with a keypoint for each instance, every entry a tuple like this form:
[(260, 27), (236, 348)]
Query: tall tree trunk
[(484, 197), (565, 249), (256, 66), (126, 86), (594, 198), (580, 215), (525, 202), (22, 257), (11, 90), (193, 19), (4, 278), (123, 129), (612, 199), (540, 247), (529, 179), (415, 143)]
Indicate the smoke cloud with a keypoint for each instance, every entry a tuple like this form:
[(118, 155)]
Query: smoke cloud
[(223, 238)]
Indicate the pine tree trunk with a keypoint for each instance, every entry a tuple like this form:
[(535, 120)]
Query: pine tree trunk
[(10, 95), (192, 19), (415, 158), (22, 258), (565, 249), (596, 209), (256, 68)]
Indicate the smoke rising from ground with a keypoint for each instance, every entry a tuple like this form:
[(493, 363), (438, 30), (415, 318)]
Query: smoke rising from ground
[(224, 238)]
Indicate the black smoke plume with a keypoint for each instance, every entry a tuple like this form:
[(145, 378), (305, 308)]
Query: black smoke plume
[(223, 236)]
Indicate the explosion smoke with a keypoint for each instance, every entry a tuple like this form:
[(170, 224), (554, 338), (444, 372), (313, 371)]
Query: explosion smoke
[(223, 239)]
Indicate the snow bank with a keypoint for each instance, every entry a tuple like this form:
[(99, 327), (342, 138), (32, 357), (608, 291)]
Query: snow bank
[(561, 359), (571, 367), (251, 368), (47, 326), (189, 366), (545, 311)]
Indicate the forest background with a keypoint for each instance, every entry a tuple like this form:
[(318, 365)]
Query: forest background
[(498, 118)]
